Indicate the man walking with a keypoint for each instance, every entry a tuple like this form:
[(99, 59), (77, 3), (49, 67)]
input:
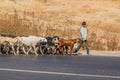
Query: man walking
[(83, 37)]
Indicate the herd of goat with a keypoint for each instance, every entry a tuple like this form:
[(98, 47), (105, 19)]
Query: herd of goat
[(34, 44)]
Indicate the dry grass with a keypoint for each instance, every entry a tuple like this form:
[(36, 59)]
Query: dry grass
[(63, 18)]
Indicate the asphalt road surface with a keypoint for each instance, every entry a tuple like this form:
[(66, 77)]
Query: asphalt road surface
[(59, 68)]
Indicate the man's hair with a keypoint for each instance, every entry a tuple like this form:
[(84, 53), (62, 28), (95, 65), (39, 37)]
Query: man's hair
[(83, 23)]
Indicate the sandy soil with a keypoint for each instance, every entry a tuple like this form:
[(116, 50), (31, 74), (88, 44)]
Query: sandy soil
[(101, 53)]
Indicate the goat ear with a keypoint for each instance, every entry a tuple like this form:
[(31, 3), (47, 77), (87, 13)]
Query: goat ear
[(58, 38)]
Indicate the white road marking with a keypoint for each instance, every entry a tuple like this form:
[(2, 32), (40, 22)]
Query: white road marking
[(59, 73)]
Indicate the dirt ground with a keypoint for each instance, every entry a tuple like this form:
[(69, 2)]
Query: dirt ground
[(100, 53)]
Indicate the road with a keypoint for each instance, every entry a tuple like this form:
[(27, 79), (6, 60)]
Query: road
[(59, 68)]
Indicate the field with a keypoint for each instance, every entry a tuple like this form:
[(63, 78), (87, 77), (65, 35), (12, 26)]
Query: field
[(63, 18)]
